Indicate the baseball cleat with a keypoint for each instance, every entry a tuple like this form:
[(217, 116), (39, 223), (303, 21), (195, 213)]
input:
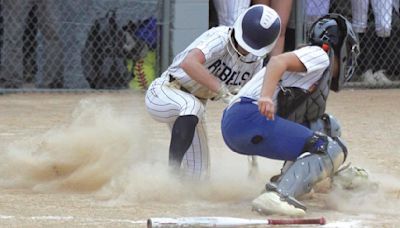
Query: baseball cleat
[(270, 203)]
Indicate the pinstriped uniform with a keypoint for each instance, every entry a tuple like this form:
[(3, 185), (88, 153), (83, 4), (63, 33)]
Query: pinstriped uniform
[(167, 99), (314, 58), (229, 10), (382, 12)]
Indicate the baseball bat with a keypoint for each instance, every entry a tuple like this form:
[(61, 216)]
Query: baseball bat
[(227, 222)]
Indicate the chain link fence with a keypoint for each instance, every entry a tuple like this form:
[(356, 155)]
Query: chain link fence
[(78, 44), (377, 23), (115, 44)]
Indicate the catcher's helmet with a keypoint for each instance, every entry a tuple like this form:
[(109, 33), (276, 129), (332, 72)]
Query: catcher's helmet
[(336, 31), (257, 29)]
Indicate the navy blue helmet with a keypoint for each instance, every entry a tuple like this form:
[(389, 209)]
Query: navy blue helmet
[(257, 29)]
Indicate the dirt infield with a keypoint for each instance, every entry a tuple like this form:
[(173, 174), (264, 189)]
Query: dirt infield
[(99, 160)]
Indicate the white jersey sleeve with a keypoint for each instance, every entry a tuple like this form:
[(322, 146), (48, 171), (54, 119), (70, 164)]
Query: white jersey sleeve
[(315, 60), (221, 61)]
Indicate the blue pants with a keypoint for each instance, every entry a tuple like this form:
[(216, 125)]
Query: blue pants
[(246, 131)]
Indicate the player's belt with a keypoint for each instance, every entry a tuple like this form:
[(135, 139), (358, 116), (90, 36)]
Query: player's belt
[(175, 84), (242, 100), (172, 80)]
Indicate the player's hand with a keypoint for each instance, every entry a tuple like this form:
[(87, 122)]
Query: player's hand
[(224, 95), (227, 98), (266, 107)]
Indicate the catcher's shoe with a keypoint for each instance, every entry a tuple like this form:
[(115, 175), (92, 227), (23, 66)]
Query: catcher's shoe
[(271, 203), (351, 177)]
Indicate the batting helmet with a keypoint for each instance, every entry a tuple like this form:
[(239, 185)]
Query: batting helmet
[(257, 29), (336, 31)]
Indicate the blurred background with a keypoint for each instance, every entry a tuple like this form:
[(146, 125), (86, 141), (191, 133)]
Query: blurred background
[(70, 45)]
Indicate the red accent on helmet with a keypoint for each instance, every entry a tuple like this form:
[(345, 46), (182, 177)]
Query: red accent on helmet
[(325, 46)]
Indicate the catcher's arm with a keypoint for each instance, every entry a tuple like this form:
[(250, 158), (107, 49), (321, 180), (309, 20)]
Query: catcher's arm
[(275, 68)]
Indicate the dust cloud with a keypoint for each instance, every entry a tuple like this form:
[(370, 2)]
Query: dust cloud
[(111, 155), (122, 159), (81, 156), (379, 195)]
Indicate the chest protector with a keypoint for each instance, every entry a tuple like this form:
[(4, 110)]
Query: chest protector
[(304, 106)]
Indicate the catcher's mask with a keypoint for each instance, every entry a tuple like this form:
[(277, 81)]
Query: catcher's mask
[(336, 31)]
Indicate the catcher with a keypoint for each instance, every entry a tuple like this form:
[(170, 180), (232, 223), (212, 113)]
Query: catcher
[(280, 114)]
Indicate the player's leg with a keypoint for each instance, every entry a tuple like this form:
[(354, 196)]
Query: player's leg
[(181, 111), (283, 8), (324, 158), (314, 10), (359, 10), (14, 14), (348, 176), (229, 10), (327, 124), (182, 133), (315, 156), (247, 131), (196, 161), (383, 16)]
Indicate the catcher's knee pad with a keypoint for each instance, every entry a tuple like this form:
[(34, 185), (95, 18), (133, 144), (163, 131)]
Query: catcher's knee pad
[(310, 168), (328, 125)]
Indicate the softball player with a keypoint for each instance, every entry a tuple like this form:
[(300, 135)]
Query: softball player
[(296, 84), (382, 13), (217, 63), (229, 10)]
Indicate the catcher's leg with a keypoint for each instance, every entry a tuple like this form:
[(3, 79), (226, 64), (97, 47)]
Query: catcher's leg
[(253, 166), (328, 125), (323, 158)]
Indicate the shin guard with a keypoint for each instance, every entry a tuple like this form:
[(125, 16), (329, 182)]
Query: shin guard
[(309, 169)]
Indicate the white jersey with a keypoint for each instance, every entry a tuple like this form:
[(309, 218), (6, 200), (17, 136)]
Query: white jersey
[(221, 60), (165, 102), (229, 10), (314, 58)]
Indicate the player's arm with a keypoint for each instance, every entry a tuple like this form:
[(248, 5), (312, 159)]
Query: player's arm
[(275, 68), (193, 65)]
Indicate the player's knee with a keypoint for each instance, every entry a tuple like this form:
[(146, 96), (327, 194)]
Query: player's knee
[(342, 148), (193, 107), (325, 145), (328, 125), (185, 125)]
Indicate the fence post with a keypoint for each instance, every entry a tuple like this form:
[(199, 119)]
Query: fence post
[(165, 34), (299, 5)]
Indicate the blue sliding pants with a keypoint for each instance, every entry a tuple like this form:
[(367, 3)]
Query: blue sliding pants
[(246, 131)]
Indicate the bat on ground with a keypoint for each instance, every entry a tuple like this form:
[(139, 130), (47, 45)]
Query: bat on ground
[(227, 222)]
